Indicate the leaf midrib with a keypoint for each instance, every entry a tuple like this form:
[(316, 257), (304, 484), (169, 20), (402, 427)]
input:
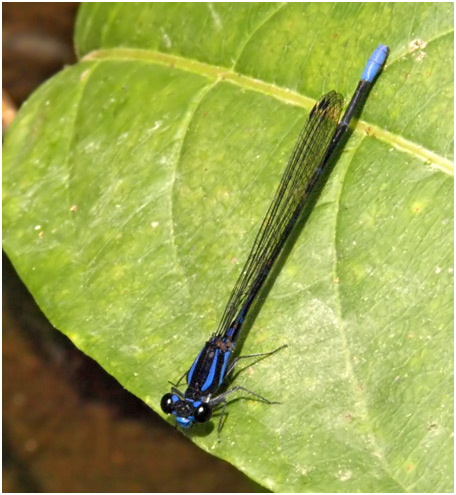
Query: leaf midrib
[(285, 95)]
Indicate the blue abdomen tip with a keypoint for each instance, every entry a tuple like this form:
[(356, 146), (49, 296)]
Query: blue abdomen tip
[(375, 63)]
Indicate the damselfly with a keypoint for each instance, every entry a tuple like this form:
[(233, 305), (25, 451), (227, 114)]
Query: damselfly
[(321, 134)]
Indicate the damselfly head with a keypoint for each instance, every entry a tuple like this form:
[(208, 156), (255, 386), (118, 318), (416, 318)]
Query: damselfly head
[(186, 411)]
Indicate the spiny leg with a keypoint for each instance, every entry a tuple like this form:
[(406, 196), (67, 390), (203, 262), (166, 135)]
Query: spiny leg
[(260, 355), (222, 399), (178, 381), (220, 423)]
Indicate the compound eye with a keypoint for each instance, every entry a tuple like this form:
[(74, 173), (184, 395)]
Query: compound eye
[(203, 413), (167, 403)]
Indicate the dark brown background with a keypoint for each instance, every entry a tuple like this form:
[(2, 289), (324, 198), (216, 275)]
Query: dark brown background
[(68, 426)]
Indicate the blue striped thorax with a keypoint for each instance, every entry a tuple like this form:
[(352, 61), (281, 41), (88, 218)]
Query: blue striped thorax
[(208, 370)]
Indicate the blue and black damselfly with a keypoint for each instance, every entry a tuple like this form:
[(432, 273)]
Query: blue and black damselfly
[(316, 143)]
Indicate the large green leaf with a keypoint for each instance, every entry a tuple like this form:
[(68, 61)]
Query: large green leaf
[(135, 181)]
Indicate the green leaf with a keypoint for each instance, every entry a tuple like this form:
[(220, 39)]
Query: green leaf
[(135, 181)]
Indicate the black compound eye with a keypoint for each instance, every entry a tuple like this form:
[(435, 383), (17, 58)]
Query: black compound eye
[(167, 403), (203, 413)]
